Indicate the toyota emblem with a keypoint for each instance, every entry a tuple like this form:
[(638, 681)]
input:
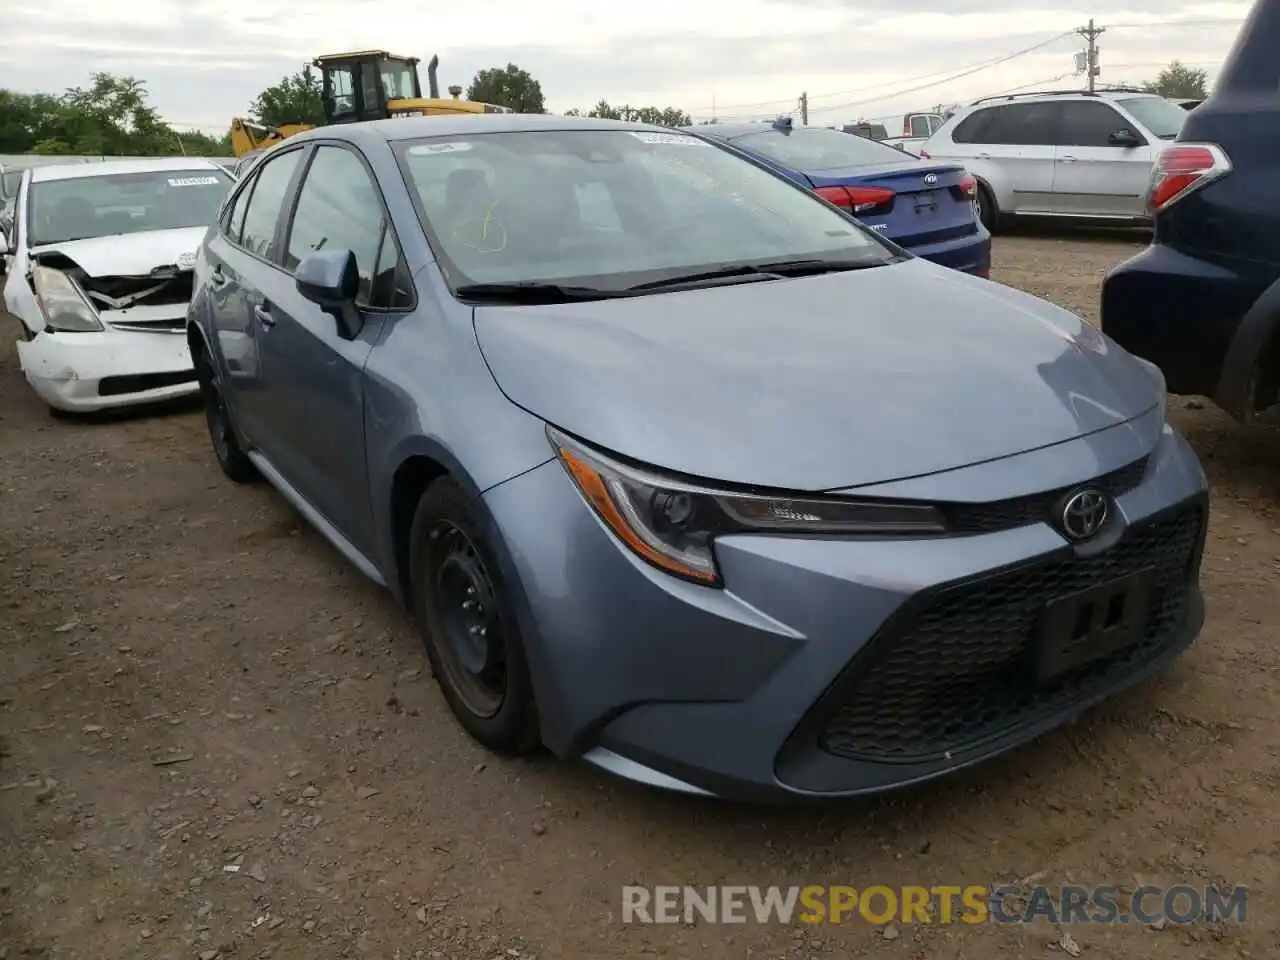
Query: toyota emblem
[(931, 178), (1084, 513)]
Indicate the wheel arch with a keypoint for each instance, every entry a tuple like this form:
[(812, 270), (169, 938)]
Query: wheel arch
[(1254, 351)]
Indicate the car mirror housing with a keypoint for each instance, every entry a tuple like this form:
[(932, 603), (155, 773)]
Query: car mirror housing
[(330, 279), (1125, 138)]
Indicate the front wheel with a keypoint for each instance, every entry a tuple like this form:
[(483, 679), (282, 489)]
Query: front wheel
[(235, 463), (468, 624)]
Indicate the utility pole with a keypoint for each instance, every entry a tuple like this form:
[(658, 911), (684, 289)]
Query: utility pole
[(804, 109), (1091, 34)]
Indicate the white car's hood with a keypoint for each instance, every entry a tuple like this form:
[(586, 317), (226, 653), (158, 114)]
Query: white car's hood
[(130, 254)]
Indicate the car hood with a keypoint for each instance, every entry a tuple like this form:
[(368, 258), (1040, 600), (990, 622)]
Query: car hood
[(130, 254), (817, 383)]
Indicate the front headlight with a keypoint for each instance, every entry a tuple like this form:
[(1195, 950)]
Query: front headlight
[(65, 309), (672, 524)]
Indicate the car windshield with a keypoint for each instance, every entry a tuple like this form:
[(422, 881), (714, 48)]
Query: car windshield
[(613, 208), (816, 149), (1162, 117), (78, 208)]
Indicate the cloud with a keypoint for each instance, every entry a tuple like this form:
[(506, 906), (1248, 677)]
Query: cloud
[(205, 60)]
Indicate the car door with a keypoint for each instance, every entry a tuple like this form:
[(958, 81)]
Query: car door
[(1020, 140), (315, 396), (1092, 176), (242, 262)]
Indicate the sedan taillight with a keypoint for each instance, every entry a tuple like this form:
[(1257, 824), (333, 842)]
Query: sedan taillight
[(856, 199), (1183, 169)]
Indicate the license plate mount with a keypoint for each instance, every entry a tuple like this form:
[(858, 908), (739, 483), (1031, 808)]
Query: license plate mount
[(1082, 627), (926, 202)]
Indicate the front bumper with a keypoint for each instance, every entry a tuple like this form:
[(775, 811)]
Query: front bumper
[(86, 372), (795, 680)]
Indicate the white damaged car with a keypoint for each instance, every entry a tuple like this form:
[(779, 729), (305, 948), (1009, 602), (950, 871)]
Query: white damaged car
[(97, 268)]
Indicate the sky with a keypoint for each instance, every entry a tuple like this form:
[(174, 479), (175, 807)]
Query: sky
[(204, 61)]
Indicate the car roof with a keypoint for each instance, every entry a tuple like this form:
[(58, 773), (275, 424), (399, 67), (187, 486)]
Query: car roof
[(461, 125), (1038, 96), (106, 168), (740, 128)]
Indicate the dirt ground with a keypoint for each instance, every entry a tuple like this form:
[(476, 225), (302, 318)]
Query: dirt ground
[(192, 680)]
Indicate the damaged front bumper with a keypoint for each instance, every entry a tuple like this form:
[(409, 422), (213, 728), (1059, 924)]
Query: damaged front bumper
[(84, 372)]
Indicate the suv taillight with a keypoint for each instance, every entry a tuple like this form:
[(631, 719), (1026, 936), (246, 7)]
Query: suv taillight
[(1183, 169), (856, 199)]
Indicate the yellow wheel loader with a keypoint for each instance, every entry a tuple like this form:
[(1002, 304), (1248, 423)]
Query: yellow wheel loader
[(366, 85)]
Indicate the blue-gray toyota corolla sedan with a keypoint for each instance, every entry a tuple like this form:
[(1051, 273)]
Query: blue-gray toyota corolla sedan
[(682, 470)]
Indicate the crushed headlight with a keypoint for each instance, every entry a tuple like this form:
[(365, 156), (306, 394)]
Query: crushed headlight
[(64, 307), (671, 523)]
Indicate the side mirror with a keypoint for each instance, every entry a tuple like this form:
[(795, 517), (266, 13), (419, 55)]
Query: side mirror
[(330, 280), (1125, 138)]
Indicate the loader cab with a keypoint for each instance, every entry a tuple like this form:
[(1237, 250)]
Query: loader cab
[(358, 86)]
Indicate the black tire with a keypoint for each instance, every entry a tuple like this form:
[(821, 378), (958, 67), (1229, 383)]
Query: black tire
[(988, 212), (222, 433), (468, 624)]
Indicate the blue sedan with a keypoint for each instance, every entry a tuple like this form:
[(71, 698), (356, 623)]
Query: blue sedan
[(926, 207), (682, 471)]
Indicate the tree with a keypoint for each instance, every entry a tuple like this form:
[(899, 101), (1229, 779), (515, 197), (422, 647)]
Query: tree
[(295, 99), (1179, 82), (111, 117), (658, 116), (507, 86)]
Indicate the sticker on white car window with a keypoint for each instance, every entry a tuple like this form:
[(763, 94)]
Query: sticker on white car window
[(681, 139), (426, 149), (186, 261), (192, 181)]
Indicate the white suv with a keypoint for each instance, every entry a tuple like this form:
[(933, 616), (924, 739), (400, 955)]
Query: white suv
[(1060, 154)]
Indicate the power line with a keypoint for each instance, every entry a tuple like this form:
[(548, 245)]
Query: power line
[(956, 76), (973, 67)]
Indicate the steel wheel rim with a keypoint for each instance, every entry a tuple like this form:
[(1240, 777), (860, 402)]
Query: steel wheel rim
[(470, 635)]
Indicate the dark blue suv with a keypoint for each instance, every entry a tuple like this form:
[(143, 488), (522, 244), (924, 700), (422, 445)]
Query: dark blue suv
[(1202, 302)]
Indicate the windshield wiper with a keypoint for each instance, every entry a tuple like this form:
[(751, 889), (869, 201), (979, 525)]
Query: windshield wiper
[(761, 270), (533, 292)]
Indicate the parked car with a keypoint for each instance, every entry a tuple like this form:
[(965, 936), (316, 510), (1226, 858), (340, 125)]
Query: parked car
[(868, 131), (926, 207), (681, 469), (1065, 154), (1203, 300), (97, 267)]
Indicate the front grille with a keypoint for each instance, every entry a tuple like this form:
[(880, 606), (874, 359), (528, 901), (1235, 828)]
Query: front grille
[(119, 386), (1038, 507), (959, 670)]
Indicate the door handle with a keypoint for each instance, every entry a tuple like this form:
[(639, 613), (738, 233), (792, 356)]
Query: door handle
[(1067, 159), (984, 156), (264, 316)]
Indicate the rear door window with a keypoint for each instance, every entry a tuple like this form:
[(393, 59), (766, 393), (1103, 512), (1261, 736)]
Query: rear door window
[(1023, 124)]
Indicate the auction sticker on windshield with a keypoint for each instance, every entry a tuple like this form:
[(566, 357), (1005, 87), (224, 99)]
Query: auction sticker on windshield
[(192, 181), (425, 149), (681, 139)]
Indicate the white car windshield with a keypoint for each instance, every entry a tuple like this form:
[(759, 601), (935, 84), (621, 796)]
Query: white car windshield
[(1162, 117), (611, 208), (817, 149), (80, 208)]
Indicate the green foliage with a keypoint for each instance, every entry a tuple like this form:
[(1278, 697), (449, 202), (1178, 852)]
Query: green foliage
[(1179, 82), (659, 116), (507, 86), (295, 99), (111, 117)]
